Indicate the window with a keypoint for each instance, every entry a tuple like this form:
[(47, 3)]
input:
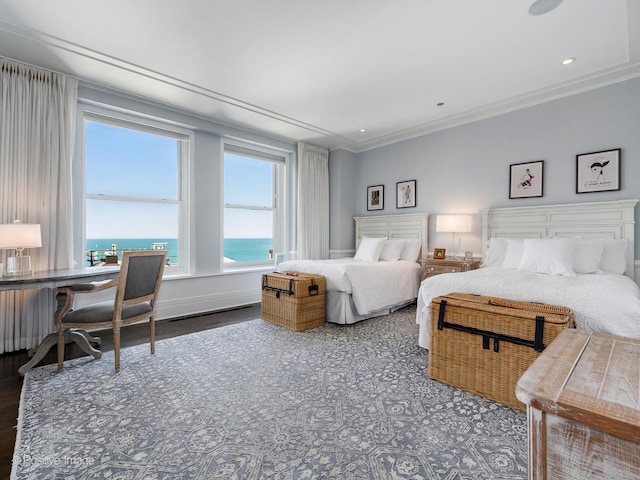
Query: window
[(253, 206), (134, 190)]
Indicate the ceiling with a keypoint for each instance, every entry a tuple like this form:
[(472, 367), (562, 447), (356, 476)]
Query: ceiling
[(320, 71)]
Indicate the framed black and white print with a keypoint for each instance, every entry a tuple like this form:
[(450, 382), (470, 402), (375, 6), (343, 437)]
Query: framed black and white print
[(375, 197), (406, 194), (598, 171), (525, 179)]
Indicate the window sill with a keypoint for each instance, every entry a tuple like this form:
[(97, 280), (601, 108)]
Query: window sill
[(234, 271)]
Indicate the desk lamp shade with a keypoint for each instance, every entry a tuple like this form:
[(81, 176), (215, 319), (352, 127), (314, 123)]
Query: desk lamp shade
[(19, 236)]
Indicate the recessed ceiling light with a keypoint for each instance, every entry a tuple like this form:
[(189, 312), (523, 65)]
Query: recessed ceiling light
[(362, 130), (439, 104), (540, 7), (567, 61)]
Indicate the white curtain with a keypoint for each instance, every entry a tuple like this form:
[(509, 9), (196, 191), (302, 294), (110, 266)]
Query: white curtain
[(313, 202), (37, 125)]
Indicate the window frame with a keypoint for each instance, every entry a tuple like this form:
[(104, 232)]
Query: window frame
[(280, 160), (107, 116)]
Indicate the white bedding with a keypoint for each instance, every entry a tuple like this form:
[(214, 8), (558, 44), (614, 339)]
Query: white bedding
[(373, 285), (606, 303)]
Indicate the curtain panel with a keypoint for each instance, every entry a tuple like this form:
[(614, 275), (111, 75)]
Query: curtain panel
[(313, 202), (37, 127)]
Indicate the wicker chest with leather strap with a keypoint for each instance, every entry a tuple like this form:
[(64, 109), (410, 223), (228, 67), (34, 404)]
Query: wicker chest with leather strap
[(484, 344), (294, 300)]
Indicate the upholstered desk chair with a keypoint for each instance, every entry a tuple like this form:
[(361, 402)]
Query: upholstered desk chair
[(137, 288)]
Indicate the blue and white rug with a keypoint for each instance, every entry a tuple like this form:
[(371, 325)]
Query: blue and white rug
[(257, 401)]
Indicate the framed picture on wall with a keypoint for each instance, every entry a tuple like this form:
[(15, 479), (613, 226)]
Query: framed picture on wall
[(406, 194), (525, 179), (375, 197), (598, 171)]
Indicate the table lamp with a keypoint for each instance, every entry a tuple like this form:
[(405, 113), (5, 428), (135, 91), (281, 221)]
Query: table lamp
[(453, 224), (19, 236)]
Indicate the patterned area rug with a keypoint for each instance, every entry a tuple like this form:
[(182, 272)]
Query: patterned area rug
[(257, 401)]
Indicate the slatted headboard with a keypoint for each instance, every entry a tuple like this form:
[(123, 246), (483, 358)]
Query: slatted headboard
[(411, 225), (614, 219)]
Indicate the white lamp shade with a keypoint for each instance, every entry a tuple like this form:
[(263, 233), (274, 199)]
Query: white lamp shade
[(20, 235), (453, 223)]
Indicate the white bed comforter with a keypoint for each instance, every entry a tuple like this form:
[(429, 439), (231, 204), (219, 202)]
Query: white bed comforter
[(602, 303), (373, 285)]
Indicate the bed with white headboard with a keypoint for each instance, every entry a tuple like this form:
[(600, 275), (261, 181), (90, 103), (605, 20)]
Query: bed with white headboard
[(383, 276), (593, 275), (611, 220), (410, 225)]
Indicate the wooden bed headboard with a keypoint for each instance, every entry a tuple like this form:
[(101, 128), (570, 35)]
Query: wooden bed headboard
[(410, 225), (614, 219)]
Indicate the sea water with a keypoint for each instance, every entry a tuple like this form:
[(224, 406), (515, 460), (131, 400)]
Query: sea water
[(235, 249)]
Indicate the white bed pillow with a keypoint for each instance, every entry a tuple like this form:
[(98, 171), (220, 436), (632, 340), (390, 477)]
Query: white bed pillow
[(392, 250), (411, 249), (496, 250), (588, 255), (370, 249), (513, 253), (553, 256), (614, 256)]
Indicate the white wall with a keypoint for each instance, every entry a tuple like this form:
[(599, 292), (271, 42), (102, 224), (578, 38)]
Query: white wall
[(466, 168), (342, 197)]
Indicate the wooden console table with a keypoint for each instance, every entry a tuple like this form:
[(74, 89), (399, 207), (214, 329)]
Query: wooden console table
[(55, 279), (583, 409)]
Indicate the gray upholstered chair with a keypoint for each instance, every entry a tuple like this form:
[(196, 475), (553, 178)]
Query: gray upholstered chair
[(137, 288)]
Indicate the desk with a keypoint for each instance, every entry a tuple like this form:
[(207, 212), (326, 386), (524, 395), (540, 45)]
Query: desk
[(55, 279)]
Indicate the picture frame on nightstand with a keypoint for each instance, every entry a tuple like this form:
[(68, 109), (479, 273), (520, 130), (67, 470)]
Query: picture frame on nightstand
[(439, 253)]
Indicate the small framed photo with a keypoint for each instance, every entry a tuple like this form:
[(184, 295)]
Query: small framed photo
[(439, 253), (598, 171), (375, 197), (406, 194), (525, 179)]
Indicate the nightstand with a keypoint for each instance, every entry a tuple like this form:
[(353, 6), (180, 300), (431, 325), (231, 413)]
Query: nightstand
[(433, 266)]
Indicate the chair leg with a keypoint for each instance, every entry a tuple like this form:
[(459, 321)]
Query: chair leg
[(60, 348), (152, 331), (116, 345)]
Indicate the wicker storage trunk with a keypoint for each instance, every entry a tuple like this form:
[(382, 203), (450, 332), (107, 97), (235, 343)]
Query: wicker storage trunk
[(484, 344), (294, 300)]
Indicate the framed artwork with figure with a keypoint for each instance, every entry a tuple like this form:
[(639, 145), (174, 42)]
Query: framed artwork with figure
[(598, 171), (375, 197), (525, 179), (406, 194)]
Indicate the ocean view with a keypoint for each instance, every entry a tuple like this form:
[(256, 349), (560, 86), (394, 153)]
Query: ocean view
[(236, 249), (247, 249)]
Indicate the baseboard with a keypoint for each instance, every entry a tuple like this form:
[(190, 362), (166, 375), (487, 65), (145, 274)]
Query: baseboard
[(206, 303)]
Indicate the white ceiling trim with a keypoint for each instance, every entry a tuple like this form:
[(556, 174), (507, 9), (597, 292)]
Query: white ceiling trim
[(345, 108), (124, 66), (530, 99)]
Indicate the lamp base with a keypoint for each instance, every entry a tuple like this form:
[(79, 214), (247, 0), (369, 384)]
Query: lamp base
[(19, 266)]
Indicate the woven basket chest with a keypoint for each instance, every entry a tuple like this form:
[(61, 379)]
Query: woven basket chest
[(294, 300), (484, 344)]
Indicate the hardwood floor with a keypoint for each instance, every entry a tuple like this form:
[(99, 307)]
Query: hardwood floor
[(11, 381)]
